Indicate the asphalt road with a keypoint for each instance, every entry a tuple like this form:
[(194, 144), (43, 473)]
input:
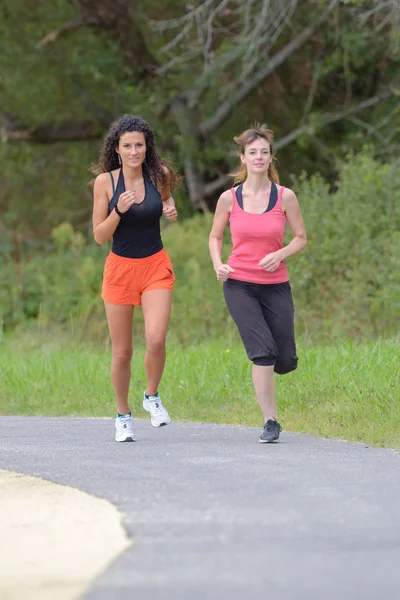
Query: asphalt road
[(215, 515)]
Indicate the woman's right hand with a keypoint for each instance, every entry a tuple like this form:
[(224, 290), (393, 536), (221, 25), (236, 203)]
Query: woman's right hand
[(125, 201), (223, 272)]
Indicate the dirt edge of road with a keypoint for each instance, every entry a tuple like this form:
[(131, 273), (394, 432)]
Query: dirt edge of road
[(54, 540)]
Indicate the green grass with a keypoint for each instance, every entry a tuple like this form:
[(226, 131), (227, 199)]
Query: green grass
[(346, 391)]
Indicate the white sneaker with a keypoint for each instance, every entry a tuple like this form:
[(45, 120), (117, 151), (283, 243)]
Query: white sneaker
[(124, 429), (159, 415)]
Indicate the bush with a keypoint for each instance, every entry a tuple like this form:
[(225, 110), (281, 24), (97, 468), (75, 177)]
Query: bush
[(345, 284), (347, 280)]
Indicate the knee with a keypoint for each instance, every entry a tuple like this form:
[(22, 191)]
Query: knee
[(285, 365), (156, 345), (122, 356)]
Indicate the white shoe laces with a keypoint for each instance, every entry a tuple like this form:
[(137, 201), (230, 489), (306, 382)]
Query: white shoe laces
[(156, 408), (126, 424)]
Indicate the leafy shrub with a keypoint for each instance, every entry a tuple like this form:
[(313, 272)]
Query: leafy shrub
[(345, 284)]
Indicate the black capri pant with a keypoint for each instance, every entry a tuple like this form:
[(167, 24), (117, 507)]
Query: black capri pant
[(264, 315)]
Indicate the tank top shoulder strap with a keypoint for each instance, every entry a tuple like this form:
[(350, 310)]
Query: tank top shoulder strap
[(279, 201), (236, 193), (112, 183), (150, 187)]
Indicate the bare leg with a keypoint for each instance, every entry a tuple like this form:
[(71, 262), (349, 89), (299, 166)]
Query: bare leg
[(156, 306), (264, 383), (120, 318)]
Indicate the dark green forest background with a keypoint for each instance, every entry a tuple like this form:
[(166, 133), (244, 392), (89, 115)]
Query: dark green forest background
[(323, 74)]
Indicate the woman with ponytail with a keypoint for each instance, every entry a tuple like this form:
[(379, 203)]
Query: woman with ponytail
[(256, 281), (132, 191)]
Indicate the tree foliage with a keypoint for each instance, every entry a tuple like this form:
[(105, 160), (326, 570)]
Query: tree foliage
[(323, 74)]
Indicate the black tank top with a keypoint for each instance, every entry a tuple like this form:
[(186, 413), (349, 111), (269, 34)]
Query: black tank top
[(138, 232)]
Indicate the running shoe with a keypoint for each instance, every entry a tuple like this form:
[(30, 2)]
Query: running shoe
[(124, 429), (154, 406), (270, 432)]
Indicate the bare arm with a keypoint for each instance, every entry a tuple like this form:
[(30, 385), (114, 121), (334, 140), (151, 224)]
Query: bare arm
[(291, 207), (221, 218), (104, 224), (169, 208)]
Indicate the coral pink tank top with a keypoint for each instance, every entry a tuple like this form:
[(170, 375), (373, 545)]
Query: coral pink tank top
[(254, 236)]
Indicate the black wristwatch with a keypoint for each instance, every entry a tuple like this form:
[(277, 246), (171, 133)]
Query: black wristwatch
[(119, 213)]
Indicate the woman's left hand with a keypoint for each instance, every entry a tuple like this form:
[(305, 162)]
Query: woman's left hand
[(170, 212), (271, 262)]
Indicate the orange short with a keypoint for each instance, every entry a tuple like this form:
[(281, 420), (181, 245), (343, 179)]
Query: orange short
[(126, 279)]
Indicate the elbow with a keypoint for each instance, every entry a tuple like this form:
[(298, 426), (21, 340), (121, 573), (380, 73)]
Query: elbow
[(99, 239), (100, 236), (213, 238), (301, 240)]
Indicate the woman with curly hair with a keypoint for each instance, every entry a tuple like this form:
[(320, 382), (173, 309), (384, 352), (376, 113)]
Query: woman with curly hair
[(132, 191), (256, 281)]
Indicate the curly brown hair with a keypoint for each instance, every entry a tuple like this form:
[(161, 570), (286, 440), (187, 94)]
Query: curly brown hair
[(157, 169)]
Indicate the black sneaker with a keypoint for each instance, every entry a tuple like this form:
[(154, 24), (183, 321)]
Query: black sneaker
[(271, 432)]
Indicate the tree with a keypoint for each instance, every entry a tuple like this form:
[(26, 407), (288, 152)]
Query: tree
[(197, 68)]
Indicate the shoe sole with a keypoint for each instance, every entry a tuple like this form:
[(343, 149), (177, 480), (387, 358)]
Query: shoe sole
[(129, 439), (268, 441), (160, 424), (156, 424)]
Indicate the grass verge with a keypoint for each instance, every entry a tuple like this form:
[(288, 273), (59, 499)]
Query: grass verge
[(346, 390)]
